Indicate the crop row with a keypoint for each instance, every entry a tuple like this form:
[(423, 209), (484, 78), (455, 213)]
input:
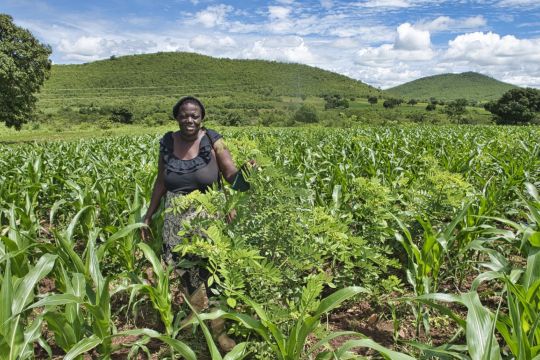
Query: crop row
[(370, 210)]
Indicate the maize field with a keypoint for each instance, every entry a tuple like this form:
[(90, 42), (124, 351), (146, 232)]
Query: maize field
[(435, 229)]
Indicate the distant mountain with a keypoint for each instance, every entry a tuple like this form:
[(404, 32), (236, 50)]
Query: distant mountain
[(468, 85), (176, 74)]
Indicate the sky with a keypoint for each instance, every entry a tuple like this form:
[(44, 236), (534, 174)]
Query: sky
[(383, 43)]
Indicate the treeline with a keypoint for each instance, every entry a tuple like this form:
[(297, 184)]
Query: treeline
[(515, 107)]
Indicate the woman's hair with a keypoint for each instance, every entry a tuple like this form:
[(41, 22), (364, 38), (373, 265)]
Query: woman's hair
[(187, 99)]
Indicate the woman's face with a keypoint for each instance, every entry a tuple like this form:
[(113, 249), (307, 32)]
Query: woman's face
[(189, 118)]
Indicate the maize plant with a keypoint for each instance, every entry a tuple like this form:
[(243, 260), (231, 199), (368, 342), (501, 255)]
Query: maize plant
[(323, 201)]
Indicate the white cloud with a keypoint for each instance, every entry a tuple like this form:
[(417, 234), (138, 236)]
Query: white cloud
[(85, 45), (327, 4), (368, 34), (387, 56), (210, 44), (213, 15), (286, 48), (279, 21), (387, 77), (385, 4), (492, 49), (344, 43), (512, 3), (278, 12), (89, 48), (444, 23), (409, 38), (391, 64)]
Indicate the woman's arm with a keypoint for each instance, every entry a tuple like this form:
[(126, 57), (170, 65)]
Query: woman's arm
[(225, 161)]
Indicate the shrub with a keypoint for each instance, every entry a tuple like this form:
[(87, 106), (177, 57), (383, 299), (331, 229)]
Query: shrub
[(335, 102), (231, 118), (306, 114), (391, 103), (121, 115)]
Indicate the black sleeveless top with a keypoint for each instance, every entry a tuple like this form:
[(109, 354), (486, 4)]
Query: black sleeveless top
[(185, 176)]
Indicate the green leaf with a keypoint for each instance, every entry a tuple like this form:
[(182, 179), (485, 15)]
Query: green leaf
[(238, 352), (57, 299), (214, 351), (440, 352), (479, 330), (177, 345), (532, 272), (83, 346), (125, 231), (6, 299), (31, 334), (331, 336), (392, 355), (531, 189), (54, 209), (71, 228), (534, 239), (334, 300), (231, 302), (151, 256), (25, 290), (305, 327)]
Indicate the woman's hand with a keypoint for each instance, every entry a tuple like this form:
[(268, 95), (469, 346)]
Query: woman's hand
[(145, 231), (231, 216)]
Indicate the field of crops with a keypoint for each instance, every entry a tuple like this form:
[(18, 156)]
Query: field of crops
[(401, 242)]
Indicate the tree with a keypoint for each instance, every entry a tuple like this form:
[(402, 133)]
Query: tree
[(121, 115), (391, 103), (372, 100), (431, 107), (335, 102), (412, 102), (516, 106), (24, 66), (456, 109), (306, 114)]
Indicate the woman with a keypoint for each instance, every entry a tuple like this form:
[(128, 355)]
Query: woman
[(191, 159)]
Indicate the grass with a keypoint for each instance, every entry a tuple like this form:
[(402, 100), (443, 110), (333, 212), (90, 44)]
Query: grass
[(76, 132)]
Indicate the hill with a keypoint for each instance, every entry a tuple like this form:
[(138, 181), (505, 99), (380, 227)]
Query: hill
[(468, 85), (176, 74)]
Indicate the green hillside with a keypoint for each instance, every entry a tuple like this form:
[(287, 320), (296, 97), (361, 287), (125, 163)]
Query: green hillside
[(151, 83), (468, 85)]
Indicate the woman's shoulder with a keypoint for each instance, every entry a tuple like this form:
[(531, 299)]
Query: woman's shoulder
[(166, 141), (213, 135)]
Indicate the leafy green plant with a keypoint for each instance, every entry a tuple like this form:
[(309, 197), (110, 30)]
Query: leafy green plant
[(18, 331), (519, 327), (160, 293), (290, 344)]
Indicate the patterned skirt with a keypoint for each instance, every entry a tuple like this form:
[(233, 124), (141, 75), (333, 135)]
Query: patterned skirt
[(196, 273)]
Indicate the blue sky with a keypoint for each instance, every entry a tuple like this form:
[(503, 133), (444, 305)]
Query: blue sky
[(380, 42)]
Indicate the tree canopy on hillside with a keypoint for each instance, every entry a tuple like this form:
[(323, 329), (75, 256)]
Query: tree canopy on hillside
[(516, 106), (24, 66)]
